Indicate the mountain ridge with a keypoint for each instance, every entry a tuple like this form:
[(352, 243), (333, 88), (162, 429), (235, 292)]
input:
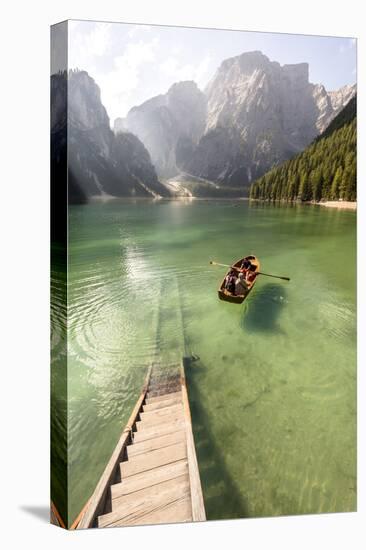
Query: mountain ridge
[(258, 113), (99, 163)]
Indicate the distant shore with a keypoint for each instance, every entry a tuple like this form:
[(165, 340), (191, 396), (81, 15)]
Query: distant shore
[(344, 205), (349, 205)]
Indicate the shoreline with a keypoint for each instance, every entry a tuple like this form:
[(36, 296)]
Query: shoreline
[(344, 205), (180, 198), (349, 205)]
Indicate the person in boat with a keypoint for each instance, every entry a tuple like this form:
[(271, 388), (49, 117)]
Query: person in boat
[(230, 281), (245, 264), (250, 276), (240, 285)]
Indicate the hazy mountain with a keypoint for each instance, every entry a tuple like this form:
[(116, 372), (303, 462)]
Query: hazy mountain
[(99, 162), (254, 114), (164, 121), (119, 125)]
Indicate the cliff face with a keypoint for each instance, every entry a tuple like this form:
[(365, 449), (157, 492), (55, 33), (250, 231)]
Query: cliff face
[(165, 121), (259, 114), (253, 115), (99, 163)]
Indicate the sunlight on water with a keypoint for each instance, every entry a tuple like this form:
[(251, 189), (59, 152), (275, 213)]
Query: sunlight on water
[(273, 383)]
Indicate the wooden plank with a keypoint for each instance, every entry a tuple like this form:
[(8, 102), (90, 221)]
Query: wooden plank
[(198, 507), (177, 512), (55, 517), (155, 443), (159, 413), (132, 508), (150, 400), (148, 479), (160, 429), (162, 393), (164, 388), (79, 517), (160, 479), (150, 421), (158, 492), (162, 404), (97, 500), (151, 460)]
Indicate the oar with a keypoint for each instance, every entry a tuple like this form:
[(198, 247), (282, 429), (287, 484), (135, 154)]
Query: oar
[(275, 276), (258, 272), (222, 265)]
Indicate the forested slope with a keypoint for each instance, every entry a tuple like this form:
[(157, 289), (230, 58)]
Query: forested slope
[(326, 170)]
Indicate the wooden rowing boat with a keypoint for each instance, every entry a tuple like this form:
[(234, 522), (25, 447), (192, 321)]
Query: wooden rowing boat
[(152, 475), (227, 296)]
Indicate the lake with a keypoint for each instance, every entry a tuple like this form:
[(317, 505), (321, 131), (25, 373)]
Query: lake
[(272, 382)]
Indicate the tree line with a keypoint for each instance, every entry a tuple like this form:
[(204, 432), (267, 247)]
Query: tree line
[(326, 170)]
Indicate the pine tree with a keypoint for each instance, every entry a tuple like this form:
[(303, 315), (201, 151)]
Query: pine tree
[(305, 187), (337, 180), (317, 182)]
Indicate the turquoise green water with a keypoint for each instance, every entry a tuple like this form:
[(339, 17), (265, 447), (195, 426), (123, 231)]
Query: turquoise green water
[(273, 386)]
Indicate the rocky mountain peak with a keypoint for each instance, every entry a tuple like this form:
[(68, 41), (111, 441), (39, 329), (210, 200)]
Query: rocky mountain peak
[(340, 98), (244, 86), (161, 122), (246, 62), (254, 113), (85, 108), (183, 88), (265, 111)]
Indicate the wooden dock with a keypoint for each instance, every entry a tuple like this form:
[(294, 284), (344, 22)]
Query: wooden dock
[(152, 476)]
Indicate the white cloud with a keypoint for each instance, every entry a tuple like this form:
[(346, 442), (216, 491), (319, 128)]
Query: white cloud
[(131, 63), (87, 41), (99, 39), (176, 71), (136, 54), (120, 84), (204, 70), (172, 68)]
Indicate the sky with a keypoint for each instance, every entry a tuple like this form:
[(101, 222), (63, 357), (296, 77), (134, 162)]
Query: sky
[(132, 63)]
